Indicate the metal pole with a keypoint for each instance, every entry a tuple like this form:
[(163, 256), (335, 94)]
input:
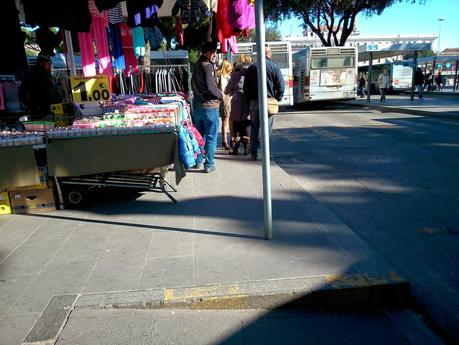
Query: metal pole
[(415, 65), (71, 59), (455, 77), (370, 70), (433, 73), (263, 114)]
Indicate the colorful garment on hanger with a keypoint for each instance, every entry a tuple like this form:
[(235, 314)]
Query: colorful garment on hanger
[(128, 49), (115, 14), (224, 30), (98, 33), (116, 48), (154, 36), (138, 41), (179, 31), (241, 14)]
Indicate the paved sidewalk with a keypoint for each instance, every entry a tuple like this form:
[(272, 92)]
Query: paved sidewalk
[(213, 236), (248, 327), (433, 104)]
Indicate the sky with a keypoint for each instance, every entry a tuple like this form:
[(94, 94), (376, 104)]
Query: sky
[(406, 18)]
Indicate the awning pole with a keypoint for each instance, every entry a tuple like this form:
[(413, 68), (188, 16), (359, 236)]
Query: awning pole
[(263, 114), (415, 66), (455, 77), (370, 67), (71, 57)]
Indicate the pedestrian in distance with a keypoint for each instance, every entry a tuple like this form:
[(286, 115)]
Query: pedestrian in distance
[(439, 81), (384, 83), (428, 81), (362, 85), (223, 76), (275, 89), (240, 108), (419, 81), (206, 103)]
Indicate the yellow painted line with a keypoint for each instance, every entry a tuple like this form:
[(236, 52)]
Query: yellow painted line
[(168, 295), (208, 297), (354, 280)]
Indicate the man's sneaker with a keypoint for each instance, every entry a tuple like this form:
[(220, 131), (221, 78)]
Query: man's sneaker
[(208, 169)]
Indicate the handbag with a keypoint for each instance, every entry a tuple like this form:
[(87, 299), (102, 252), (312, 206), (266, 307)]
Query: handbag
[(273, 106)]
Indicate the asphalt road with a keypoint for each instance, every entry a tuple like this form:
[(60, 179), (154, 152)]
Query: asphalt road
[(393, 179)]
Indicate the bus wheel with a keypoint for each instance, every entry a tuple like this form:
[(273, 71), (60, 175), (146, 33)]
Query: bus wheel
[(75, 197)]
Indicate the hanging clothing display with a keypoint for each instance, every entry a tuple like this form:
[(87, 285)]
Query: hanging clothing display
[(154, 36), (115, 14), (179, 31), (190, 11), (115, 17), (154, 79), (138, 41), (128, 50), (241, 15), (225, 32), (116, 47), (98, 33), (139, 11)]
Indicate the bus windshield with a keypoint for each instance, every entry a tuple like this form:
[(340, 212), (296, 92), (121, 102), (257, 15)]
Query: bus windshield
[(281, 60), (332, 62)]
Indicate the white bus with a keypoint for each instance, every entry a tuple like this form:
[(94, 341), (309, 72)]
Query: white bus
[(400, 73), (321, 74), (281, 56)]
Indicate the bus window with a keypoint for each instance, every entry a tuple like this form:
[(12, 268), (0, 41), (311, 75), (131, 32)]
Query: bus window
[(281, 60), (330, 62), (319, 63)]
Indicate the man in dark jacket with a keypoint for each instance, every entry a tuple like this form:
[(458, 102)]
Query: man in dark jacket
[(419, 81), (38, 90), (275, 89), (206, 102)]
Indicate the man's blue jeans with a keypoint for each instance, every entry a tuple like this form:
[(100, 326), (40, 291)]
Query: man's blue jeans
[(255, 128), (206, 122), (420, 87)]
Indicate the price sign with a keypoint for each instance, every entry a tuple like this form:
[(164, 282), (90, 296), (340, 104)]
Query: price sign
[(57, 109), (90, 89)]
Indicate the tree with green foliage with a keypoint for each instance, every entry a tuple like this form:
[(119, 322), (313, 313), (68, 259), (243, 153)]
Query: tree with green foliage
[(272, 33), (331, 20)]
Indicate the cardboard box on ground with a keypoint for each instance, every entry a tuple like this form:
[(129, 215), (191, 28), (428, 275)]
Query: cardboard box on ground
[(27, 201)]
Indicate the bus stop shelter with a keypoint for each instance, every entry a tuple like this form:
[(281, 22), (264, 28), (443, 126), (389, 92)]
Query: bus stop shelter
[(447, 64), (370, 52)]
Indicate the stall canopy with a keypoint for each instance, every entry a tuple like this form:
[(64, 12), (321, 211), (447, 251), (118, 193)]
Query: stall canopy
[(372, 51)]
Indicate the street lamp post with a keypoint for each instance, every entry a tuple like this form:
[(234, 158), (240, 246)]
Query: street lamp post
[(441, 19)]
